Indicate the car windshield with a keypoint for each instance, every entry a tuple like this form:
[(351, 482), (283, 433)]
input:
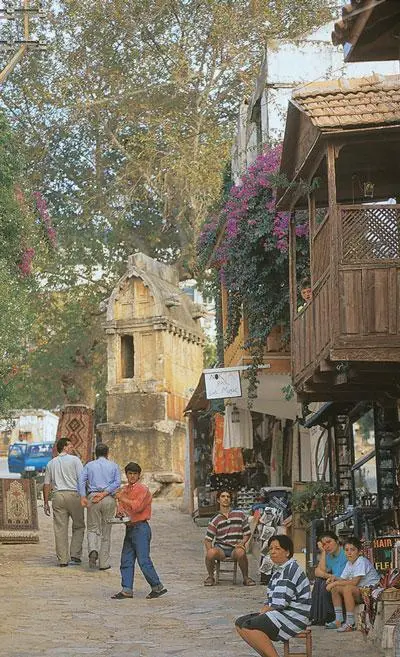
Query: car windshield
[(17, 450), (37, 451)]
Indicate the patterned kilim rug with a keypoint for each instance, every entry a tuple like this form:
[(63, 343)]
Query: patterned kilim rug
[(18, 511), (76, 423)]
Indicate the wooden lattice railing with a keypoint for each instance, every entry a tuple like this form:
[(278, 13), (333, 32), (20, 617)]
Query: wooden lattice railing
[(369, 232)]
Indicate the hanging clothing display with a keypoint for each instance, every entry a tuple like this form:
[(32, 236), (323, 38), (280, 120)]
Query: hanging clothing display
[(225, 460), (240, 432)]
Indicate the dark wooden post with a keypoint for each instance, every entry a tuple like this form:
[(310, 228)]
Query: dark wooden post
[(292, 267), (334, 232), (311, 224), (293, 290), (191, 430)]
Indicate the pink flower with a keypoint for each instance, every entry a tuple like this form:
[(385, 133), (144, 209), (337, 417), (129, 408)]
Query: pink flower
[(25, 265)]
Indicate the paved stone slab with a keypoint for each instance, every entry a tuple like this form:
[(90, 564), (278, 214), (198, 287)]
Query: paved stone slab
[(48, 611)]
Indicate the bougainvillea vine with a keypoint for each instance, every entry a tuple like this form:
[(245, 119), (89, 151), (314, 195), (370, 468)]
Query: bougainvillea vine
[(247, 241)]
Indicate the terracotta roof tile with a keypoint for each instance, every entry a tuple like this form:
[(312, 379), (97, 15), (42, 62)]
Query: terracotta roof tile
[(361, 101)]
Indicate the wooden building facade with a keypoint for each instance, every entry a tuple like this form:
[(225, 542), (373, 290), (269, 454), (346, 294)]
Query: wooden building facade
[(341, 156)]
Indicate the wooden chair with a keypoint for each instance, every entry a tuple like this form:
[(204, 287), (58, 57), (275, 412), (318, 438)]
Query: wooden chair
[(220, 569), (307, 636)]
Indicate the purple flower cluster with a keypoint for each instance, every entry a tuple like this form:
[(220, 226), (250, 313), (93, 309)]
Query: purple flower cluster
[(256, 179), (25, 265), (44, 214), (238, 212)]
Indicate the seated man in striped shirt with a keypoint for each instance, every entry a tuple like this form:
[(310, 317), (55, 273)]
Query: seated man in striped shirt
[(227, 536)]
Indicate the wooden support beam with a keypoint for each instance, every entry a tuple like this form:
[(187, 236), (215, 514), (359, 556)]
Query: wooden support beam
[(343, 396)]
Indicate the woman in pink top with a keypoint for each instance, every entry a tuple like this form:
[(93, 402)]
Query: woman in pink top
[(134, 500)]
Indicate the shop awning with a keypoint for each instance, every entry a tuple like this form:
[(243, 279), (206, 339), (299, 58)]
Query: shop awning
[(198, 400), (270, 398)]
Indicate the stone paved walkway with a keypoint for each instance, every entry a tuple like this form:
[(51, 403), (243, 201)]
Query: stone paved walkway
[(68, 613)]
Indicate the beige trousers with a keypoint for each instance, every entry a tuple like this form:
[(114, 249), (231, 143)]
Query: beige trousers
[(67, 504), (99, 528)]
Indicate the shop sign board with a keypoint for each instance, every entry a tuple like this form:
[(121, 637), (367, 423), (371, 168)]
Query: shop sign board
[(383, 553), (222, 383)]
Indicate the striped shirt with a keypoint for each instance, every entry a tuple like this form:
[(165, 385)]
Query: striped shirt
[(290, 598), (228, 530)]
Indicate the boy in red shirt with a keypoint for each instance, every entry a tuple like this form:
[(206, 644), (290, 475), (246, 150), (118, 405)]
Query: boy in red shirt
[(134, 500)]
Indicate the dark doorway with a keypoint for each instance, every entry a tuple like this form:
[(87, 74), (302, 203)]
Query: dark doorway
[(127, 357)]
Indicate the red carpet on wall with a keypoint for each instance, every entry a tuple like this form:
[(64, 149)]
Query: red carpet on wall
[(76, 423), (18, 511)]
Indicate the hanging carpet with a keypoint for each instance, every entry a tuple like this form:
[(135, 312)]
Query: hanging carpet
[(76, 423), (18, 511)]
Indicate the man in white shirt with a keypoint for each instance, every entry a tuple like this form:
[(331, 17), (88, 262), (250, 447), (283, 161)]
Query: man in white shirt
[(61, 478)]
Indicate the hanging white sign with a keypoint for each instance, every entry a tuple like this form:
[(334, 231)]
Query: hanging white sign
[(222, 383)]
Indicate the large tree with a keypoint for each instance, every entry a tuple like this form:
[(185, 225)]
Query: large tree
[(126, 123)]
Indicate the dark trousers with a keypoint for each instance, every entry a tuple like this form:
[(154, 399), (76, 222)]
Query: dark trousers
[(321, 603)]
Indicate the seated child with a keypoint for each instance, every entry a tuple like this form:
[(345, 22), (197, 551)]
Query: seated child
[(358, 573)]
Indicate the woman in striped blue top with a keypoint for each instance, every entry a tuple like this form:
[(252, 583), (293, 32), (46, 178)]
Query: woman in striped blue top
[(286, 611)]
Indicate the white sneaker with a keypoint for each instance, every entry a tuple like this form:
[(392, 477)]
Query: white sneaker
[(346, 628)]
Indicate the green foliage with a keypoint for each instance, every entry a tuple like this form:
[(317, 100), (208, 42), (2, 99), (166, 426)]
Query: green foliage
[(127, 131), (124, 124), (19, 235), (309, 502), (209, 353)]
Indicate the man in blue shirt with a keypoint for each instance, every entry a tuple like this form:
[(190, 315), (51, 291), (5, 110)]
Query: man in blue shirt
[(97, 484)]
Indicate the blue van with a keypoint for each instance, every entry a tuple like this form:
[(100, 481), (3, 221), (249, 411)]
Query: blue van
[(29, 459)]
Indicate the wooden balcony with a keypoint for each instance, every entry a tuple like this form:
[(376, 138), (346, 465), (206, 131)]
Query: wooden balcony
[(346, 341)]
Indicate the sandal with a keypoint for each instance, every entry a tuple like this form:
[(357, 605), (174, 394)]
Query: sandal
[(249, 582), (209, 581), (121, 596)]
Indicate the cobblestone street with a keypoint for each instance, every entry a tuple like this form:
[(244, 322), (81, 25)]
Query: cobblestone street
[(68, 612)]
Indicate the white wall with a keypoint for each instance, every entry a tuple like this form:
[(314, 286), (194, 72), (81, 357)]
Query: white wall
[(286, 66), (41, 424)]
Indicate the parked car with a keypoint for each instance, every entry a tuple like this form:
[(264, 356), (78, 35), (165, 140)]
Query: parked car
[(29, 459)]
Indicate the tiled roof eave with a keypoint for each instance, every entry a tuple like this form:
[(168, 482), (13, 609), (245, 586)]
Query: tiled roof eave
[(357, 128)]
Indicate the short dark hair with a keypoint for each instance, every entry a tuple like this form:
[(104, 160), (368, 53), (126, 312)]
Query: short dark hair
[(328, 534), (133, 467), (101, 450), (305, 283), (224, 490), (353, 540), (284, 541), (61, 443)]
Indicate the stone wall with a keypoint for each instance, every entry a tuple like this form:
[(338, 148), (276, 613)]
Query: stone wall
[(159, 448)]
